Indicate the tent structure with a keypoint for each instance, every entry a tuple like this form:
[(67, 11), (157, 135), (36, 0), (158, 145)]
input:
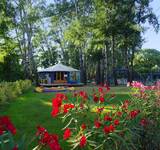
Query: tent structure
[(59, 74)]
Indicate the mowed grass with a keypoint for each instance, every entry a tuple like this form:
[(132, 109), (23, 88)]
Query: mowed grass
[(32, 109)]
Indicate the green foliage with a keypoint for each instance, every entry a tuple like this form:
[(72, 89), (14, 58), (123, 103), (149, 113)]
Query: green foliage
[(148, 102), (10, 68), (147, 60), (10, 90)]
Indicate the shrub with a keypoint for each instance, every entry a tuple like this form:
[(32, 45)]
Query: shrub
[(10, 90)]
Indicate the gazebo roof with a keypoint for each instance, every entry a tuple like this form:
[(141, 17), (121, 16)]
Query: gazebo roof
[(58, 67)]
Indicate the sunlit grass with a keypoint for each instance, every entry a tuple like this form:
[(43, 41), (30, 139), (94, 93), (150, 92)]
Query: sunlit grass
[(32, 109)]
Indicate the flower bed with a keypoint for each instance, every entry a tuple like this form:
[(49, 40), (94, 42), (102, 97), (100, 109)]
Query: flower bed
[(91, 123)]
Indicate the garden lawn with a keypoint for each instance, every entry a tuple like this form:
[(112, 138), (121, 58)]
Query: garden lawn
[(32, 109)]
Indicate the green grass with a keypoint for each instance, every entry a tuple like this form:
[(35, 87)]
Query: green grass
[(32, 109)]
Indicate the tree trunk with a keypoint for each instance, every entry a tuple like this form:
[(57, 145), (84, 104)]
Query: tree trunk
[(126, 64), (98, 72), (113, 61), (81, 66), (106, 59), (102, 67), (132, 71)]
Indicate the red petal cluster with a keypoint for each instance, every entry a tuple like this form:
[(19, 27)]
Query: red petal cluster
[(101, 99), (51, 140), (108, 129), (67, 134), (134, 113), (100, 89), (83, 141), (61, 96), (83, 126), (97, 124), (119, 113), (107, 118), (56, 103), (143, 122), (83, 94), (116, 122), (66, 107), (6, 125), (107, 87), (95, 98), (99, 110)]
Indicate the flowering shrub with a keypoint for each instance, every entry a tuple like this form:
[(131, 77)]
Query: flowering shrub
[(85, 128), (46, 139), (90, 122), (6, 129), (148, 100)]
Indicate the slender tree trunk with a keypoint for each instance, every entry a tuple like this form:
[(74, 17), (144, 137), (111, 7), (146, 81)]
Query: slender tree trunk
[(114, 61), (81, 66), (85, 70), (132, 71), (103, 66), (98, 72), (126, 62), (106, 57)]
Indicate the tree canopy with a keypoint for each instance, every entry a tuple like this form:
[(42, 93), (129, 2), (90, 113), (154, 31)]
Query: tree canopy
[(95, 36)]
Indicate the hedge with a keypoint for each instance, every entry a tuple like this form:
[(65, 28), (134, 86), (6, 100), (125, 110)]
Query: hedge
[(10, 90)]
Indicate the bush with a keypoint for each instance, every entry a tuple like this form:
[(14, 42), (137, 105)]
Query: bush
[(10, 90)]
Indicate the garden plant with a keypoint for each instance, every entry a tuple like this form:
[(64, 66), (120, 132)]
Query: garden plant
[(91, 123)]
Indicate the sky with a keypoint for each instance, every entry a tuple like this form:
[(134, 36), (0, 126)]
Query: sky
[(152, 39)]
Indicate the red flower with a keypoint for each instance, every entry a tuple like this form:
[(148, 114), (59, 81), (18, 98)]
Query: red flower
[(143, 122), (116, 122), (99, 110), (40, 131), (83, 141), (67, 134), (100, 89), (67, 107), (1, 131), (119, 113), (51, 140), (107, 118), (56, 102), (95, 98), (55, 111), (97, 124), (61, 96), (6, 124), (101, 99), (83, 94), (108, 129), (107, 88), (83, 126), (134, 113)]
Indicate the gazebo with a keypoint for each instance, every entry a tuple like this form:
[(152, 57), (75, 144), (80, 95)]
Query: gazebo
[(58, 74)]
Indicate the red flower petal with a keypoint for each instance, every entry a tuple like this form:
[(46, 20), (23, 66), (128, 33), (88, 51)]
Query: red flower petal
[(83, 141), (67, 134)]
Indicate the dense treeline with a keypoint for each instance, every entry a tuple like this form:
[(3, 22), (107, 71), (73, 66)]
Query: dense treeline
[(95, 36)]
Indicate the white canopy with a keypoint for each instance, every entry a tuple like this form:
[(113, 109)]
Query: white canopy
[(58, 67)]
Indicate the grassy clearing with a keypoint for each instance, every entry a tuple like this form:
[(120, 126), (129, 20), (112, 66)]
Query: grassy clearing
[(32, 109)]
